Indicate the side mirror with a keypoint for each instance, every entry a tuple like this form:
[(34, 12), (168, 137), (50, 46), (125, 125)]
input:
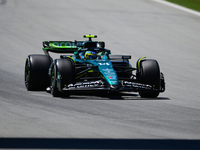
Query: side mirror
[(101, 44)]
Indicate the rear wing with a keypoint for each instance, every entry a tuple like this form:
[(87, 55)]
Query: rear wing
[(61, 46), (67, 46)]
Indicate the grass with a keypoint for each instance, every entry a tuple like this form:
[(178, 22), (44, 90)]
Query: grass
[(192, 4)]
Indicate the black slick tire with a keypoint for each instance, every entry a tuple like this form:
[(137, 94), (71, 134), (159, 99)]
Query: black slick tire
[(63, 70), (36, 72), (149, 74)]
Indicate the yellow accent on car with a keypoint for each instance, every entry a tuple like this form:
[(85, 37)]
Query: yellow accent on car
[(90, 36), (139, 62)]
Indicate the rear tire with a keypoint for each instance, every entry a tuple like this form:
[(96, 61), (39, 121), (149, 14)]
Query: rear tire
[(36, 72), (63, 70), (149, 74)]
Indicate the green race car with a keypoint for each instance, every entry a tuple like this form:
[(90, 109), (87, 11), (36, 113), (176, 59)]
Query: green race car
[(90, 67)]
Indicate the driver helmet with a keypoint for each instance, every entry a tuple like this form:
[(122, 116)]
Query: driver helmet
[(90, 55)]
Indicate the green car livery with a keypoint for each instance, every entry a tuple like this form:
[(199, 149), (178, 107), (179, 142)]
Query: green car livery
[(89, 66)]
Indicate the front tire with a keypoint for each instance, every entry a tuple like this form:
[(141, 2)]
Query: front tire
[(149, 74), (63, 71), (54, 88)]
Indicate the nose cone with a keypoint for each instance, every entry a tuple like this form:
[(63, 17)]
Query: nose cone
[(114, 87)]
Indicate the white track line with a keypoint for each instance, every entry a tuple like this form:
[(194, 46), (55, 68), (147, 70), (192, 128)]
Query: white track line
[(178, 7)]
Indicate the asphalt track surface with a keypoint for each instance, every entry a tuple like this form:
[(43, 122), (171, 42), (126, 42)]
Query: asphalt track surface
[(35, 119)]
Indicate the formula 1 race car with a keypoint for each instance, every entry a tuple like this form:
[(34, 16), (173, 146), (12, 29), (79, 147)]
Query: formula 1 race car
[(90, 67)]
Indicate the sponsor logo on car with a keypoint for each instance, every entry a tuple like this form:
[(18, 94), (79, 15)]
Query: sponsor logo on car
[(84, 84), (112, 77), (136, 85), (61, 44), (104, 64)]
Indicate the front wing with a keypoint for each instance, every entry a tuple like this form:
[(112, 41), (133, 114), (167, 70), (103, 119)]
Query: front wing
[(100, 85)]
